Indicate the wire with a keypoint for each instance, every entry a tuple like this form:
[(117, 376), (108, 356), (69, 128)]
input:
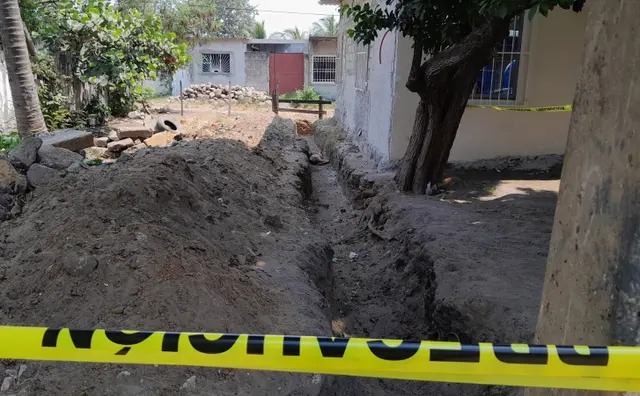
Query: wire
[(254, 9)]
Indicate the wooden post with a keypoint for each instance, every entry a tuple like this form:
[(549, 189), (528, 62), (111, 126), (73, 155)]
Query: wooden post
[(276, 101), (320, 111), (229, 99), (181, 101)]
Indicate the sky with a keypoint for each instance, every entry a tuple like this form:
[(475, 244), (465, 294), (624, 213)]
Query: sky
[(279, 21)]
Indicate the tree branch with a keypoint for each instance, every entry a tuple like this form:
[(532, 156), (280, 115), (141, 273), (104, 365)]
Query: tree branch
[(30, 46), (415, 77), (480, 40)]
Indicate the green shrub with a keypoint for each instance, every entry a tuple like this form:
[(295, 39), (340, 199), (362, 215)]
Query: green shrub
[(302, 94), (8, 141)]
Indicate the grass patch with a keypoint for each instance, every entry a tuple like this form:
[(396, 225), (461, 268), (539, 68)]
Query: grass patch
[(305, 94), (8, 142)]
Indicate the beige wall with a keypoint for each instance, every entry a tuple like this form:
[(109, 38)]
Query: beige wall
[(556, 45)]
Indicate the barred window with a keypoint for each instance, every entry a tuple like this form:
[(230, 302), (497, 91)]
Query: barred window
[(324, 69), (362, 66), (498, 80), (216, 63)]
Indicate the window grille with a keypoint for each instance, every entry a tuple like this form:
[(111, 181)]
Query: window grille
[(324, 69), (216, 63)]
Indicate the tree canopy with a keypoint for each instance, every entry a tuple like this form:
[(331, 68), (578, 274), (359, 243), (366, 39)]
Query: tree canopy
[(325, 27), (437, 24), (259, 31)]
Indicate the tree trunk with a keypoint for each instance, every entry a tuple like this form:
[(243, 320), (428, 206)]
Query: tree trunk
[(444, 84), (24, 92)]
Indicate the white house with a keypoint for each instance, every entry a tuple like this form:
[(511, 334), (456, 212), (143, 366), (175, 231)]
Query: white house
[(538, 65), (266, 64)]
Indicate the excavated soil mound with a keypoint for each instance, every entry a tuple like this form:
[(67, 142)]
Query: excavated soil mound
[(207, 236)]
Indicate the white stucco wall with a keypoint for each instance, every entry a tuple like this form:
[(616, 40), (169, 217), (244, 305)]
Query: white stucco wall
[(234, 47), (552, 69), (7, 116), (321, 47), (366, 114)]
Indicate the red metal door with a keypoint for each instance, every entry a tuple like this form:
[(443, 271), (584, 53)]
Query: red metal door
[(286, 72)]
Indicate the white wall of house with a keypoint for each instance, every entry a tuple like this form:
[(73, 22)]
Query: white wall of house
[(193, 73), (325, 50), (7, 116), (548, 78), (384, 112), (365, 91)]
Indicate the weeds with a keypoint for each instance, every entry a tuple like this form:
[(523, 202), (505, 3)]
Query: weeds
[(8, 142)]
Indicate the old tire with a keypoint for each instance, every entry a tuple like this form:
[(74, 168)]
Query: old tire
[(164, 124)]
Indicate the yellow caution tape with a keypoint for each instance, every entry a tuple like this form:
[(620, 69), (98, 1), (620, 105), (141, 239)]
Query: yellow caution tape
[(539, 109), (548, 366)]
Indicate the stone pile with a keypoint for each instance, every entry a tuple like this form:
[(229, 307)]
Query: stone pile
[(128, 140), (39, 161), (30, 165), (220, 94)]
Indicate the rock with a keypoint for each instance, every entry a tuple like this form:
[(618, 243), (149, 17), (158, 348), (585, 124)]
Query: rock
[(8, 175), (6, 201), (16, 211), (77, 167), (136, 115), (120, 145), (21, 186), (70, 139), (190, 384), (113, 136), (274, 221), (102, 141), (79, 266), (22, 371), (7, 383), (133, 133), (353, 256), (56, 157), (4, 214), (135, 148), (25, 153), (11, 373), (94, 153), (162, 139), (40, 175), (316, 159)]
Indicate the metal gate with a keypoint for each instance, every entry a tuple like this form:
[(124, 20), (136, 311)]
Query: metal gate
[(286, 72)]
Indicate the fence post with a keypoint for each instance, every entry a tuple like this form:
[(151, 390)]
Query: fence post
[(320, 109), (276, 101), (181, 101), (229, 98)]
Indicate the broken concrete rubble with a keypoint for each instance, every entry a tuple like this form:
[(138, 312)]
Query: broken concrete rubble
[(101, 141), (162, 139), (120, 145), (133, 132), (8, 175), (70, 139)]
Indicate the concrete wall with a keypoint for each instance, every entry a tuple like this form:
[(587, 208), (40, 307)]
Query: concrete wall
[(321, 46), (366, 114), (235, 47), (7, 115), (257, 70), (160, 87), (549, 78)]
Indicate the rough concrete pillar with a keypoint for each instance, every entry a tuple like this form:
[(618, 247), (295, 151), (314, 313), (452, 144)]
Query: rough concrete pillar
[(592, 286)]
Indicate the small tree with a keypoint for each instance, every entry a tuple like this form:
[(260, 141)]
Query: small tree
[(259, 31), (24, 92), (110, 49), (458, 37), (295, 33), (326, 27)]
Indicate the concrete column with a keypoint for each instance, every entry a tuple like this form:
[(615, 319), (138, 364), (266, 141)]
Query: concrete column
[(592, 286)]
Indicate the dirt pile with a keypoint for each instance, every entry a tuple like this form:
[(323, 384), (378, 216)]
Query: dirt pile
[(208, 236)]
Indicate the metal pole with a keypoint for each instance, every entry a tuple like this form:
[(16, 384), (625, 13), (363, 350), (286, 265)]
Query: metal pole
[(181, 101), (229, 100)]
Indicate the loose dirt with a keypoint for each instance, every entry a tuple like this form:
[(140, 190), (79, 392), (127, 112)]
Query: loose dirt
[(236, 232), (209, 236)]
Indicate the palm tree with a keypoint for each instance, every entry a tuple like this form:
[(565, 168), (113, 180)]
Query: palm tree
[(326, 27), (24, 92), (259, 31), (295, 33)]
